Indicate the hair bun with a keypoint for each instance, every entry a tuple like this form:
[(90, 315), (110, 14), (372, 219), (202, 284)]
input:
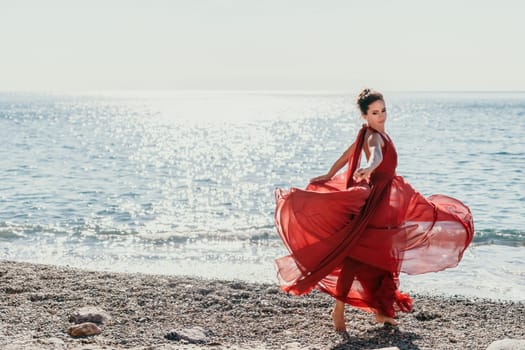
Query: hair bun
[(364, 94)]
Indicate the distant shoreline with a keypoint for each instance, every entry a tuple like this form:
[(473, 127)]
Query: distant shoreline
[(36, 302)]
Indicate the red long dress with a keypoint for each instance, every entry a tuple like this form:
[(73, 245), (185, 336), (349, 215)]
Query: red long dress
[(352, 240)]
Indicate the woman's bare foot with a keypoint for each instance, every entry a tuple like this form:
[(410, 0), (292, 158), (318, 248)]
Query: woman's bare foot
[(338, 316), (380, 318)]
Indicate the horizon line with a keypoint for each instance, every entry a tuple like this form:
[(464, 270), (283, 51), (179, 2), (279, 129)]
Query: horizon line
[(238, 91)]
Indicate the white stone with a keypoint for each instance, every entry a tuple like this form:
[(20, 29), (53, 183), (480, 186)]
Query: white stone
[(90, 314), (507, 344), (195, 335)]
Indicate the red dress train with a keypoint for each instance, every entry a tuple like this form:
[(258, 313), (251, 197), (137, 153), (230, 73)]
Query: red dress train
[(352, 240)]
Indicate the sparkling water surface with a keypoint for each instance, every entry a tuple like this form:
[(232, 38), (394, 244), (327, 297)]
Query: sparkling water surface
[(182, 182)]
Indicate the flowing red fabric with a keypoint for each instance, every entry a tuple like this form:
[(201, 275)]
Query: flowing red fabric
[(351, 240)]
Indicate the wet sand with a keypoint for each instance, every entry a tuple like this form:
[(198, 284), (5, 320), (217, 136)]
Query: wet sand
[(36, 302)]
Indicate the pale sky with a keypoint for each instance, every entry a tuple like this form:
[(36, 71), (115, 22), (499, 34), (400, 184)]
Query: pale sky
[(323, 45)]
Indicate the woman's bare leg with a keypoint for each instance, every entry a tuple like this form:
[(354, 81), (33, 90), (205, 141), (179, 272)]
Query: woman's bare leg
[(344, 283), (338, 316)]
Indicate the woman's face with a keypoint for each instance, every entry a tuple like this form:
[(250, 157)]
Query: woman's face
[(376, 115)]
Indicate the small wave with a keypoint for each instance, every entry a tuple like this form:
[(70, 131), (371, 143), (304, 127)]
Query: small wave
[(91, 232), (505, 153), (12, 231), (255, 236), (515, 238)]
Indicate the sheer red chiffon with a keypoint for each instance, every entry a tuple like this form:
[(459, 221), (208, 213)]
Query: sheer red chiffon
[(352, 240)]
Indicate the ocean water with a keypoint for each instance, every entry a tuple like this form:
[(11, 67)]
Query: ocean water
[(182, 182)]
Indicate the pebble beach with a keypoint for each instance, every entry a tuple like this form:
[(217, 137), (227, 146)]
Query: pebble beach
[(145, 311)]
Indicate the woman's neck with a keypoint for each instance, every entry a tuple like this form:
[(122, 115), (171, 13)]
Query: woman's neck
[(378, 128)]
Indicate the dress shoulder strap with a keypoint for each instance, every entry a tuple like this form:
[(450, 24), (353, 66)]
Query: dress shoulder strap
[(355, 157)]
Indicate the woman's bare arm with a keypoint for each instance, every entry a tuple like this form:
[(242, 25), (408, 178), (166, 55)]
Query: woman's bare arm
[(374, 143), (339, 163)]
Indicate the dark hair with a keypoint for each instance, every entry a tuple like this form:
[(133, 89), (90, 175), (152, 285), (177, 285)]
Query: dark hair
[(366, 98)]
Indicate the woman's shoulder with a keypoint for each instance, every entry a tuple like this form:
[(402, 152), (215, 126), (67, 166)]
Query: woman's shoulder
[(374, 136), (372, 133)]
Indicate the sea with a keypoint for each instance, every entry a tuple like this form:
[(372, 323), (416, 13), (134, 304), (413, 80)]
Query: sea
[(182, 182)]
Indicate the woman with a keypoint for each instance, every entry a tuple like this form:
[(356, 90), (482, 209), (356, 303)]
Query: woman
[(350, 235)]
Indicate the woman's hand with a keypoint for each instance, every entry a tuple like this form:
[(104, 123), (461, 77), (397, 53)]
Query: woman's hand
[(362, 174), (321, 178)]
